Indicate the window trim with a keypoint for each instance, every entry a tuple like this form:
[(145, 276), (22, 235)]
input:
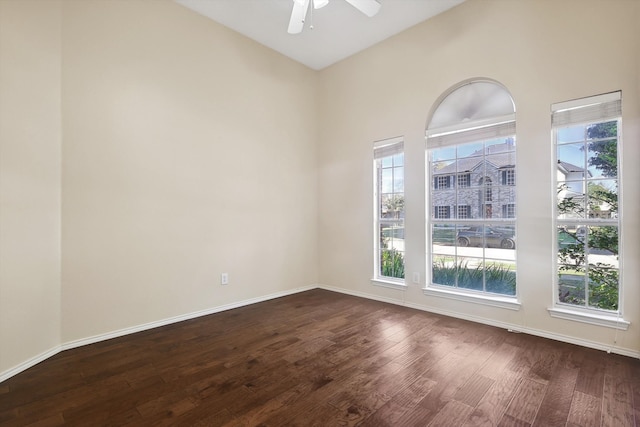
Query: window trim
[(590, 316), (492, 300)]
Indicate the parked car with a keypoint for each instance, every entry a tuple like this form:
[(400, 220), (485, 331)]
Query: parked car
[(487, 236)]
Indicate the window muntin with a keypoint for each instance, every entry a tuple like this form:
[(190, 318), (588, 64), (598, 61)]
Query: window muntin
[(389, 217), (587, 178)]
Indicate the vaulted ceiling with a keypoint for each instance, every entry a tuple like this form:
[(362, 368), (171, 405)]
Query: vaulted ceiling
[(339, 30)]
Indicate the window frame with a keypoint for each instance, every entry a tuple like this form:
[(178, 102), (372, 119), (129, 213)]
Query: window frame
[(383, 149), (564, 115), (449, 126)]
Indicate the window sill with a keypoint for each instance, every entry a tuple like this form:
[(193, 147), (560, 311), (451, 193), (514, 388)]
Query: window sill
[(493, 301), (606, 320), (391, 284)]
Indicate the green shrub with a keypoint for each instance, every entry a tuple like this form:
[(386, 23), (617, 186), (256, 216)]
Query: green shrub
[(392, 264), (494, 278)]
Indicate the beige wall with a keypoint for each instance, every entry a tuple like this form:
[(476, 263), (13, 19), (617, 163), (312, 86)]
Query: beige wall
[(543, 52), (29, 180), (189, 151)]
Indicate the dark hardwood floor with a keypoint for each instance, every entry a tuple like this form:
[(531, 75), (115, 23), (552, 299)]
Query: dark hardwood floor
[(325, 359)]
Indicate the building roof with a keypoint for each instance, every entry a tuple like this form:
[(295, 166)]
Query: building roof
[(499, 156), (569, 167)]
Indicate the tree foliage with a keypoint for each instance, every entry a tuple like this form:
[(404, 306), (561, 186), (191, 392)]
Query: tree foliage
[(605, 146)]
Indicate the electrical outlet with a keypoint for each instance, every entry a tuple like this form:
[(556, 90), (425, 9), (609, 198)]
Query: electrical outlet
[(416, 277), (224, 279)]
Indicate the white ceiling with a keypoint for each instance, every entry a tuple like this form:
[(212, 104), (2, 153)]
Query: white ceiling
[(339, 30)]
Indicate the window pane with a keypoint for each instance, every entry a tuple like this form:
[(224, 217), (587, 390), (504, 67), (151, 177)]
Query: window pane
[(479, 184), (398, 159), (602, 159), (470, 273), (387, 180), (571, 286), (603, 241), (602, 130), (444, 271), (571, 161), (571, 134), (398, 181), (443, 235), (500, 276), (571, 199), (603, 288), (475, 149), (440, 154), (602, 199)]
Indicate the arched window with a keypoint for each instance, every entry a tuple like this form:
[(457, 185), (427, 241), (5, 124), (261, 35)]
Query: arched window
[(471, 136)]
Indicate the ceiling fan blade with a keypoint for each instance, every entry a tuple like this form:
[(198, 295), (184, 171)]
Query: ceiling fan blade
[(368, 7), (317, 4), (298, 14)]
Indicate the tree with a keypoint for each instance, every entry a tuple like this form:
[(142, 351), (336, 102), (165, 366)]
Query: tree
[(394, 205), (605, 145)]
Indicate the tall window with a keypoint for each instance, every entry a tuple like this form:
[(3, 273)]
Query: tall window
[(389, 205), (471, 136), (586, 134)]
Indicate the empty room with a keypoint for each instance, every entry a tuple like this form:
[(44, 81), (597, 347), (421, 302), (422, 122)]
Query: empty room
[(301, 212)]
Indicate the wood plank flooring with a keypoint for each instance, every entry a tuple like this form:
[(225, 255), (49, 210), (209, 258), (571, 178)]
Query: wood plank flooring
[(320, 358)]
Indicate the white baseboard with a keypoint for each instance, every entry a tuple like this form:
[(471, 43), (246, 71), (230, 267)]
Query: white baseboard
[(490, 322), (29, 363), (139, 328), (182, 317)]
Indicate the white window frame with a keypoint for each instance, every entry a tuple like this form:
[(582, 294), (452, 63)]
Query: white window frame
[(383, 149), (502, 127), (585, 111)]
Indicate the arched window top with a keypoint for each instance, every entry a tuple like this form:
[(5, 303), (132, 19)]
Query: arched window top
[(470, 110), (471, 102)]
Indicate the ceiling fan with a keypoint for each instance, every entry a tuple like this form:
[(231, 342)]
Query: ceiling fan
[(300, 8)]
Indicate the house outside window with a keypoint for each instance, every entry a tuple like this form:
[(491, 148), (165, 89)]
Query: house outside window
[(475, 252), (389, 210), (586, 135)]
